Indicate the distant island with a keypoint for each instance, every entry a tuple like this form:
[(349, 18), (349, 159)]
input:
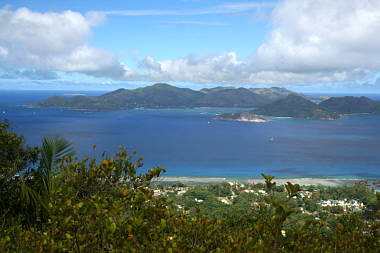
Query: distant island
[(296, 106), (273, 102), (166, 96), (351, 105)]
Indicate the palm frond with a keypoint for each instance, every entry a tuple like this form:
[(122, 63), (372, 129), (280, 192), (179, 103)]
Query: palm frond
[(53, 149)]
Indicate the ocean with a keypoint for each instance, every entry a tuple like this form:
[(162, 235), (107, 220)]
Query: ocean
[(190, 142)]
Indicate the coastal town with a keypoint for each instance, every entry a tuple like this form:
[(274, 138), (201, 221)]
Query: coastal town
[(311, 200)]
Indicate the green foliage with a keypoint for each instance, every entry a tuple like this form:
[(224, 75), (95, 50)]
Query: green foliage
[(291, 189), (359, 191), (15, 155), (220, 190), (15, 158), (45, 179), (349, 105), (297, 107)]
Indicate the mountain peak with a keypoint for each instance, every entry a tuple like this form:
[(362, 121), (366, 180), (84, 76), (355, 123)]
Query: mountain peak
[(161, 85)]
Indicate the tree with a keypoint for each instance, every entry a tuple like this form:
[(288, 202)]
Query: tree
[(45, 179), (15, 155), (16, 158)]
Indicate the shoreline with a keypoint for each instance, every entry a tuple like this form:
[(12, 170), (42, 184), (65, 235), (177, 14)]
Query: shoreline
[(246, 120), (302, 181)]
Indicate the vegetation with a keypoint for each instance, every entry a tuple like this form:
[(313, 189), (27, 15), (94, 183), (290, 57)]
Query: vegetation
[(167, 96), (350, 105), (277, 102), (15, 157), (297, 107), (106, 205), (275, 93)]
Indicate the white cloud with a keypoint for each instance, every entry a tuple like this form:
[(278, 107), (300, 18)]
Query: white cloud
[(321, 41), (312, 41), (31, 74), (55, 41), (225, 68), (3, 53)]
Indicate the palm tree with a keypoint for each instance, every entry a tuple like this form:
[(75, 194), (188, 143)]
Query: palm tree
[(52, 151), (45, 179)]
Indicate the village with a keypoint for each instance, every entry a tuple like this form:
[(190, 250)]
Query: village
[(226, 193)]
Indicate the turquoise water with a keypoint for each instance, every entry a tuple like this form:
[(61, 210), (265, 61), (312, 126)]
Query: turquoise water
[(191, 143)]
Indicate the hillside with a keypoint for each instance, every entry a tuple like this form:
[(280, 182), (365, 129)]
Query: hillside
[(232, 97), (274, 93), (167, 96), (350, 105), (297, 107)]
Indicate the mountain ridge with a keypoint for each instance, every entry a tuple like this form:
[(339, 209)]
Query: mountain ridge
[(162, 95), (274, 102)]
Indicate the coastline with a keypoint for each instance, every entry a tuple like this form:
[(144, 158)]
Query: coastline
[(257, 120), (303, 181)]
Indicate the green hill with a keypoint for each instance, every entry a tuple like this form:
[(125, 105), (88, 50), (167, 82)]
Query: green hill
[(277, 102), (297, 107), (232, 97), (274, 93), (166, 96), (349, 105)]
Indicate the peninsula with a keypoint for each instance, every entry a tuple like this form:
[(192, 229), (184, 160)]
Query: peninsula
[(242, 116), (296, 106)]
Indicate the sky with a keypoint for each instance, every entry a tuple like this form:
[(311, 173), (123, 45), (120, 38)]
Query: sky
[(304, 45)]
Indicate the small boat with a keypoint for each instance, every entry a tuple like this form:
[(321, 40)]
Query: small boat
[(271, 139)]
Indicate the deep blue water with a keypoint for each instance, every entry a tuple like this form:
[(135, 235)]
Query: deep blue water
[(191, 143)]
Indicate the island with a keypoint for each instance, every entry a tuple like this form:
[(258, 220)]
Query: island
[(351, 105), (264, 102), (292, 106), (241, 116), (297, 106), (163, 95)]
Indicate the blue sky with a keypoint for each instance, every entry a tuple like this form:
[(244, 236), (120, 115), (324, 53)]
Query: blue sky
[(311, 45)]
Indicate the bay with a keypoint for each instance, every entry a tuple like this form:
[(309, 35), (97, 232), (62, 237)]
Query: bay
[(190, 142)]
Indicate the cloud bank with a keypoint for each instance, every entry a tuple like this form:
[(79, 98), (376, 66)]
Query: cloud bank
[(322, 41), (54, 41), (311, 41)]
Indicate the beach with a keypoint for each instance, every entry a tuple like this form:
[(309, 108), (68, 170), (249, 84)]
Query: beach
[(306, 181)]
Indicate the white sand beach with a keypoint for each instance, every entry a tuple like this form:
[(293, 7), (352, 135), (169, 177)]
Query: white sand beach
[(279, 181)]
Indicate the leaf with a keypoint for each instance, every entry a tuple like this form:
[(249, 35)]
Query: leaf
[(113, 227)]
